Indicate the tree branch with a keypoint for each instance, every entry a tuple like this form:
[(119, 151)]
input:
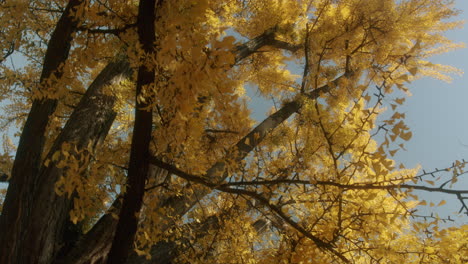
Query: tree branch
[(95, 245), (181, 204), (201, 179), (357, 186), (265, 39), (138, 167), (114, 31), (88, 124)]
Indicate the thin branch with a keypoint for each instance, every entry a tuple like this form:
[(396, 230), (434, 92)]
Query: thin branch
[(10, 51), (462, 201), (307, 63), (221, 131), (201, 179), (114, 31), (320, 243), (357, 186), (265, 39)]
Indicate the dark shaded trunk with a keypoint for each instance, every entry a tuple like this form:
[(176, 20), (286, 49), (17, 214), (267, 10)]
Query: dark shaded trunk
[(19, 199), (139, 153), (51, 230), (93, 247)]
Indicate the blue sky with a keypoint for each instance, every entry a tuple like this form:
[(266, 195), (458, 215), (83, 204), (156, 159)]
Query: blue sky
[(437, 114), (437, 111)]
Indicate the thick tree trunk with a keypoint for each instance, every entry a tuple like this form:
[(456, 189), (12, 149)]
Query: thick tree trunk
[(87, 126), (19, 199)]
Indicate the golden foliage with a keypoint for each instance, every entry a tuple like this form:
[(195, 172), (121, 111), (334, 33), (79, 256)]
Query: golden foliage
[(322, 168)]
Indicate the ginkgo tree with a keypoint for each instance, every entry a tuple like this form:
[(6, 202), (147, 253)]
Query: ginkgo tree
[(136, 142)]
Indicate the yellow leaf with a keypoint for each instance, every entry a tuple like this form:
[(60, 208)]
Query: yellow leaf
[(430, 250), (404, 77), (413, 71), (406, 136), (430, 182), (371, 196), (140, 252), (400, 101), (367, 97), (56, 155), (442, 203)]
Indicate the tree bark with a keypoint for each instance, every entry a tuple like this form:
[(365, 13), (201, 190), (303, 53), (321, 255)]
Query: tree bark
[(139, 152), (19, 201), (93, 247), (49, 229)]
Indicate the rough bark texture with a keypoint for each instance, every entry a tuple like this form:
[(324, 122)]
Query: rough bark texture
[(139, 152), (94, 246), (88, 125), (19, 199)]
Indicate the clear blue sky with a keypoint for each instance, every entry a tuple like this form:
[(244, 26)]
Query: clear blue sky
[(437, 111), (437, 114)]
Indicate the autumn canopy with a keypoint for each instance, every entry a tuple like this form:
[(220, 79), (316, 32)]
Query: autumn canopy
[(134, 140)]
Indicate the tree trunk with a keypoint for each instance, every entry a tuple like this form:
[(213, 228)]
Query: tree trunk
[(88, 125), (19, 199), (139, 152)]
